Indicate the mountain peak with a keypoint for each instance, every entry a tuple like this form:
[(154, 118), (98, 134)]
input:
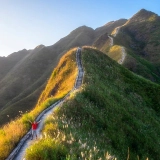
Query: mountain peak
[(142, 15), (82, 29), (109, 23), (145, 13), (40, 46)]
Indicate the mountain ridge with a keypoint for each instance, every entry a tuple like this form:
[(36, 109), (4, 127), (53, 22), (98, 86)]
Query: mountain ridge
[(120, 103), (29, 74), (142, 15)]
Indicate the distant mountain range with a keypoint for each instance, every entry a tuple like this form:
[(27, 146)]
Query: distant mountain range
[(24, 74)]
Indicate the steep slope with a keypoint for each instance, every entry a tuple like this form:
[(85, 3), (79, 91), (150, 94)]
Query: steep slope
[(108, 28), (21, 87), (62, 79), (144, 28), (139, 36), (7, 63), (102, 41), (64, 75), (81, 36), (114, 115)]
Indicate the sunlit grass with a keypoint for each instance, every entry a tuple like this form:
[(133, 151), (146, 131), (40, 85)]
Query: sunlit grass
[(9, 135), (65, 75), (113, 116), (115, 52), (152, 18), (46, 149), (81, 145), (59, 84), (115, 31)]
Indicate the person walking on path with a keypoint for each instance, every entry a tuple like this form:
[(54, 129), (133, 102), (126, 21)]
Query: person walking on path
[(34, 128)]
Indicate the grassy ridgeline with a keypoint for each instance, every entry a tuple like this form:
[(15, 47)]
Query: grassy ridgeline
[(59, 84), (114, 115)]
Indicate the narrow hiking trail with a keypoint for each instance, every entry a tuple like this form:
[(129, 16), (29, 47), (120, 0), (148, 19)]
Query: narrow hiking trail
[(122, 48), (123, 55), (116, 31), (111, 40), (19, 152)]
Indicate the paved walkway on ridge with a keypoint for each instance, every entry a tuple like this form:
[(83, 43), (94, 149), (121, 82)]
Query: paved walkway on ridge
[(116, 31), (122, 48), (19, 152), (123, 55), (111, 40)]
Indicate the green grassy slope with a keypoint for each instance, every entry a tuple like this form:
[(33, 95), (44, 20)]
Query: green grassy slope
[(114, 112), (140, 34), (108, 28)]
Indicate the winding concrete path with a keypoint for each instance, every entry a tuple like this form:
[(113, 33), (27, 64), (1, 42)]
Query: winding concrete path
[(123, 55), (111, 40), (19, 152), (116, 31), (122, 48)]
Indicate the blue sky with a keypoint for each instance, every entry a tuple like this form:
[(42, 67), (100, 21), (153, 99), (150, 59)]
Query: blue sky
[(26, 24)]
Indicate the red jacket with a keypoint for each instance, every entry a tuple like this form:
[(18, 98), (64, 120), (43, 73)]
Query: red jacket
[(34, 126)]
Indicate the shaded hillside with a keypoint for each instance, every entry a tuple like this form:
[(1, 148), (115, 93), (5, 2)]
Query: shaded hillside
[(101, 33), (115, 114), (143, 29), (22, 85), (108, 28), (7, 63), (139, 35), (102, 42), (81, 36)]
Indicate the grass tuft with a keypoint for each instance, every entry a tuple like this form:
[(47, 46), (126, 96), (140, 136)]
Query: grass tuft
[(46, 149)]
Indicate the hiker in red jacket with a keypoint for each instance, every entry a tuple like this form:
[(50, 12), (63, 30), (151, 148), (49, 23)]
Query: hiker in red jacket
[(34, 128)]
